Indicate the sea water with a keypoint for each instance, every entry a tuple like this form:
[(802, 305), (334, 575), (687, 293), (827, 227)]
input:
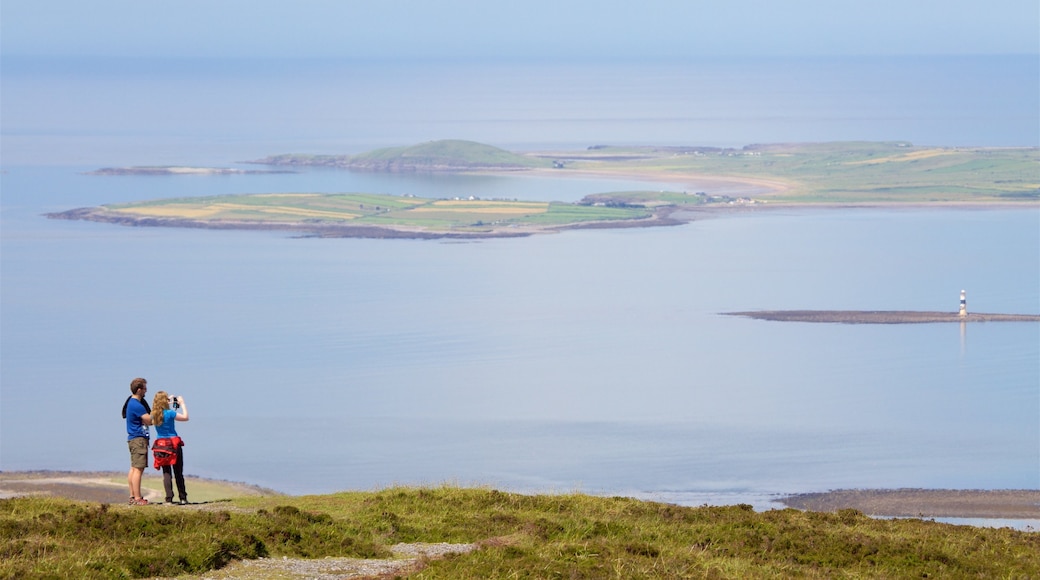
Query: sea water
[(596, 360)]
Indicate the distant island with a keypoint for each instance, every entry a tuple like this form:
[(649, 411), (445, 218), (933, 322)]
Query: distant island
[(448, 155), (181, 170), (380, 216), (718, 179)]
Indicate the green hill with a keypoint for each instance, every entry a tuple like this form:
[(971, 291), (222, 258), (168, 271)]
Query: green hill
[(443, 155)]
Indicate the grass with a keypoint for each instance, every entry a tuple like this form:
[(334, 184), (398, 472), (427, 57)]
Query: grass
[(372, 209), (543, 536), (839, 172), (200, 490), (851, 172), (452, 152)]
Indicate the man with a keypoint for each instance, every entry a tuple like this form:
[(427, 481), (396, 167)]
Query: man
[(138, 418)]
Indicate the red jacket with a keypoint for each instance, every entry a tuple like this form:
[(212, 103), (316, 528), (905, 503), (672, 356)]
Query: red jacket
[(165, 451)]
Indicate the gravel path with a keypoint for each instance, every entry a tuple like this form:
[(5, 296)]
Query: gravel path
[(407, 558)]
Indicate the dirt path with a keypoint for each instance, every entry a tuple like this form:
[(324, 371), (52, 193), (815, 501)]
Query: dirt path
[(111, 487)]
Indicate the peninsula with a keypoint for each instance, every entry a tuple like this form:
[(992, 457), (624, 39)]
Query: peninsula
[(715, 179), (881, 316)]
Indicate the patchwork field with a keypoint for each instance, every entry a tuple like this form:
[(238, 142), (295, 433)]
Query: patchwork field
[(360, 214)]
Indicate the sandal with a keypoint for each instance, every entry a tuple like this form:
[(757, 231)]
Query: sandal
[(139, 501)]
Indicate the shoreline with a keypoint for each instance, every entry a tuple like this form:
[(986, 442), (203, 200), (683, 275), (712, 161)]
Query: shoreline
[(110, 487)]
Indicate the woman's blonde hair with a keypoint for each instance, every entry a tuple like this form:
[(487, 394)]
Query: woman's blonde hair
[(160, 403)]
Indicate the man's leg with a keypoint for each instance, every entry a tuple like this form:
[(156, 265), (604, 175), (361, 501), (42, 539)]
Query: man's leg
[(134, 477), (138, 461)]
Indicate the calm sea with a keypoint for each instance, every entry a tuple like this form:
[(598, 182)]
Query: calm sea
[(589, 360)]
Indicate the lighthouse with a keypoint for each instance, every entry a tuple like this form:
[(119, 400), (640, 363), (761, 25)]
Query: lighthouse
[(964, 305)]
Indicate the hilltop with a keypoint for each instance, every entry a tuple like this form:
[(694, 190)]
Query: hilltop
[(484, 533), (443, 155)]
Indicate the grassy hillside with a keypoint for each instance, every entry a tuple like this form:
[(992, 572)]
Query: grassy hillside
[(544, 536), (452, 152), (444, 155)]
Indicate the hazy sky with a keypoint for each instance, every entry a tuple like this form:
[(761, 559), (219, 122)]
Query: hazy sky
[(521, 29)]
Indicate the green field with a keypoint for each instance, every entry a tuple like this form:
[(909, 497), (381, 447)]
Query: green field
[(390, 211), (854, 172), (519, 536)]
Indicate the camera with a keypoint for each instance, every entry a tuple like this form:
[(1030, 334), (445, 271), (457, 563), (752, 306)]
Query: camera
[(176, 401)]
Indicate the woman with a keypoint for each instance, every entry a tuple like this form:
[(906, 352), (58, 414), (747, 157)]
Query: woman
[(164, 419)]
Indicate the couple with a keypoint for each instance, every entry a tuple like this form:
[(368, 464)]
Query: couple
[(138, 418)]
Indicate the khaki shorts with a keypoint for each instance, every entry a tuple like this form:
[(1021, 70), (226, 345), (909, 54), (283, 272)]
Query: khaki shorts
[(138, 452)]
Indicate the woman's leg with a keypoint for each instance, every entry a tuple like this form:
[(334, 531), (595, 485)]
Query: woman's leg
[(178, 471), (167, 483)]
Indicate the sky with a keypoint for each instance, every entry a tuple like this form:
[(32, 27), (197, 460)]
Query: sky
[(543, 29)]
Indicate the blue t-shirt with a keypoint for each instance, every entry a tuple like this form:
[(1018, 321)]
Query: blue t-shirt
[(134, 426), (168, 428)]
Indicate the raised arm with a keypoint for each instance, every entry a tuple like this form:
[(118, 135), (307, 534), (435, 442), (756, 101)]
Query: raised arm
[(182, 412)]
